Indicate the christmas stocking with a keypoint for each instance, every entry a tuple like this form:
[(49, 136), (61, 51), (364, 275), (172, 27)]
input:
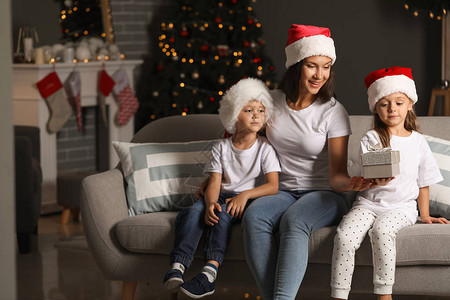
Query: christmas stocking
[(105, 86), (128, 103), (72, 86), (51, 89)]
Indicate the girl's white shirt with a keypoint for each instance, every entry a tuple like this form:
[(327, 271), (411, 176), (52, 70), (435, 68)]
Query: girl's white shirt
[(418, 169)]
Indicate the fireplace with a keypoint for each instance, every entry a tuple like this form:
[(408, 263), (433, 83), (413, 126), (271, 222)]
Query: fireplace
[(30, 109)]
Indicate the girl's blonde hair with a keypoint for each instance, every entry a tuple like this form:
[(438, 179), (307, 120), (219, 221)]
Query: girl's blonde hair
[(411, 123)]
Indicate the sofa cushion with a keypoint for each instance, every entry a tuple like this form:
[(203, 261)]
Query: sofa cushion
[(416, 245), (440, 192), (155, 233), (162, 176)]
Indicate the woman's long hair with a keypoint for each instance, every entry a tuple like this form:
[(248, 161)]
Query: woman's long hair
[(411, 123), (290, 83)]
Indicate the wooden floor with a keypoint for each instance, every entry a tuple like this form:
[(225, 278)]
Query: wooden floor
[(54, 273)]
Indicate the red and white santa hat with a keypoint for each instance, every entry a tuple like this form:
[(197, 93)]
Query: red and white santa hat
[(305, 41), (384, 82)]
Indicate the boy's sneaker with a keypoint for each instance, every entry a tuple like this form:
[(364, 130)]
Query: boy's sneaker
[(198, 287), (173, 280)]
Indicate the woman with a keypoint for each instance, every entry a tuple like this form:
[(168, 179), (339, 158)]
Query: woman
[(309, 130)]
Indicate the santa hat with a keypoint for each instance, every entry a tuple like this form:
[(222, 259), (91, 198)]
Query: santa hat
[(384, 82), (305, 41), (238, 96)]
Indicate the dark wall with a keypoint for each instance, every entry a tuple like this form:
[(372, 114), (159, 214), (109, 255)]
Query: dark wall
[(43, 15), (368, 35)]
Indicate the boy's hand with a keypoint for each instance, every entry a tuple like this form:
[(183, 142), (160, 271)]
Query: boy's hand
[(210, 216), (236, 205), (430, 220)]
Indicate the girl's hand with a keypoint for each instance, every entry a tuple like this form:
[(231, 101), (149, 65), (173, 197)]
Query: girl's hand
[(382, 181), (236, 205), (430, 220), (210, 216), (360, 184)]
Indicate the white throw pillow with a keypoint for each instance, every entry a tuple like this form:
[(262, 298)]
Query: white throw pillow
[(162, 176), (440, 192)]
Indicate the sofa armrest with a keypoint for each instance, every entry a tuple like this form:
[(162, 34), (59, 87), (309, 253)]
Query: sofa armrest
[(103, 205)]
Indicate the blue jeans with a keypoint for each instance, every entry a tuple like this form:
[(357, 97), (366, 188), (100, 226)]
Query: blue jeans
[(279, 269), (190, 226)]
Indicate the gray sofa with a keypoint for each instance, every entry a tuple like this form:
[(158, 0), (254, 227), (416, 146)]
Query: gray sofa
[(135, 249)]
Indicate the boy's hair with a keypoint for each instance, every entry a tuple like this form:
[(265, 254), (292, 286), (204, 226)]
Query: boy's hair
[(238, 96), (411, 123), (290, 83)]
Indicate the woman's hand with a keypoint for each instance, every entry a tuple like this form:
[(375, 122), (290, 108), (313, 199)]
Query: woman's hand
[(360, 184), (200, 193), (382, 181), (210, 216), (236, 205), (430, 220)]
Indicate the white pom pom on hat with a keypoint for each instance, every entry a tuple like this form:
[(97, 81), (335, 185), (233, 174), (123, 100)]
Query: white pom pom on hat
[(305, 41), (238, 96), (384, 82)]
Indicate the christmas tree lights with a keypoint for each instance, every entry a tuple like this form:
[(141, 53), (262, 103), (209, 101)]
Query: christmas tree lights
[(204, 48), (435, 9), (81, 18)]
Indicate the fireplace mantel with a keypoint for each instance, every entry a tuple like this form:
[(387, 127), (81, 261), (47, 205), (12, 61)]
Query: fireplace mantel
[(30, 109)]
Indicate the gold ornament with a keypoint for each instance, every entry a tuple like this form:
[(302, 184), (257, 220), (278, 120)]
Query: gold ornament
[(221, 79), (259, 72), (155, 93), (195, 75), (200, 105)]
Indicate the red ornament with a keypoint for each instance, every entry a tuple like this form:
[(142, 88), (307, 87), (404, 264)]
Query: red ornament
[(250, 21), (184, 33), (218, 20), (185, 109), (234, 1), (257, 60), (160, 67), (172, 40), (212, 99), (271, 68), (204, 48), (246, 44)]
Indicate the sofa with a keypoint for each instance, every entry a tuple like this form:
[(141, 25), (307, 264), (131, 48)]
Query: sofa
[(136, 249), (28, 182)]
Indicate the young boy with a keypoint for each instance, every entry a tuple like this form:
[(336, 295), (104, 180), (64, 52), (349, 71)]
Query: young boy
[(243, 167)]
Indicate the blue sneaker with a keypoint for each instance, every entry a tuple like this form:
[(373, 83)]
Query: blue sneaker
[(198, 287), (173, 280)]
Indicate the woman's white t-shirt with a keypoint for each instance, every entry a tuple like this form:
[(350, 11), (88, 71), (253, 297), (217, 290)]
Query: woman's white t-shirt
[(418, 168), (243, 169), (300, 139)]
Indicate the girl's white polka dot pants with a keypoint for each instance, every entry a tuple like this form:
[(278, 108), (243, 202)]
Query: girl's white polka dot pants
[(351, 231)]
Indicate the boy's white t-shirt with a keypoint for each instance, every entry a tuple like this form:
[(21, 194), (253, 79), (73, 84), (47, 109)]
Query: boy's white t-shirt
[(301, 140), (243, 169), (418, 168)]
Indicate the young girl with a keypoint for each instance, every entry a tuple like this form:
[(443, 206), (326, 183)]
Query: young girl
[(243, 167), (391, 204)]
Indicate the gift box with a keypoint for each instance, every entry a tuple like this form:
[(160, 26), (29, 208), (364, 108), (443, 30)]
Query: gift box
[(381, 164)]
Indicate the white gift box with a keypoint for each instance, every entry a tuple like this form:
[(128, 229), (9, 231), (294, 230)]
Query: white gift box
[(383, 163)]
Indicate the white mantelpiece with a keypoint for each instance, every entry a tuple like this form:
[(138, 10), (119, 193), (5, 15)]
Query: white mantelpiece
[(30, 109)]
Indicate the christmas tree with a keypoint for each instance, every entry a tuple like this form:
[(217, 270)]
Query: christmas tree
[(206, 47), (80, 18)]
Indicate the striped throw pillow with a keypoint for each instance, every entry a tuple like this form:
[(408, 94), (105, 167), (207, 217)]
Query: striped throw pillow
[(162, 176), (440, 192)]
